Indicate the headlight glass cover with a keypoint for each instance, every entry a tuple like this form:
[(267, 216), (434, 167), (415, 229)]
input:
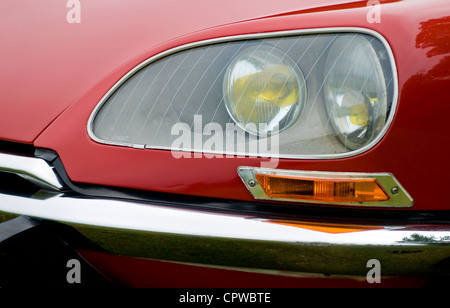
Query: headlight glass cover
[(315, 94)]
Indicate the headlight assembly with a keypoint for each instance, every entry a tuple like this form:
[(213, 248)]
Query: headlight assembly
[(321, 93)]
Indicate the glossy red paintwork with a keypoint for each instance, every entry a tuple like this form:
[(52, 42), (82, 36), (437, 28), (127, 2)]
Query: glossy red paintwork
[(120, 36)]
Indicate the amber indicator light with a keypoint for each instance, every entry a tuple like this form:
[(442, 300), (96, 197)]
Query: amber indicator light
[(321, 189)]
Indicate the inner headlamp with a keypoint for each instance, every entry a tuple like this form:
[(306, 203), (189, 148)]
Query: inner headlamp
[(264, 90)]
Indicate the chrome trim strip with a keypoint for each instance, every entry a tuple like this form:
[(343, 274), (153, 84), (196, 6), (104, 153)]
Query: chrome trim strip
[(32, 169), (400, 199), (234, 240), (260, 36)]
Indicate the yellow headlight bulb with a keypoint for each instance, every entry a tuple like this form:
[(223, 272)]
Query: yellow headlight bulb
[(264, 86), (359, 115)]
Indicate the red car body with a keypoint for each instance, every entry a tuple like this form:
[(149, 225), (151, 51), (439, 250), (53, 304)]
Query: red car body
[(54, 74)]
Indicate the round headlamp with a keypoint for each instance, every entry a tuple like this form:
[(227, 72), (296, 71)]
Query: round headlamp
[(355, 91), (264, 90)]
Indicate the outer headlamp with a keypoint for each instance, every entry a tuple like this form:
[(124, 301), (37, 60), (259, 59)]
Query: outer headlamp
[(355, 91)]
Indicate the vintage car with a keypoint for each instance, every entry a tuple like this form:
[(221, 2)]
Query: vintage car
[(291, 143)]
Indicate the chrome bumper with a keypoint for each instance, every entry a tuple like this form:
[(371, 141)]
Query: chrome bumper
[(248, 242), (240, 241)]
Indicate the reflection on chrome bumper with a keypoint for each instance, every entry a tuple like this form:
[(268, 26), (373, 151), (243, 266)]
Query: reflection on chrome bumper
[(218, 239)]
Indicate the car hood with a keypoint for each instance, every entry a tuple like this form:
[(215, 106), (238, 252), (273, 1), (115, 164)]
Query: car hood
[(49, 63)]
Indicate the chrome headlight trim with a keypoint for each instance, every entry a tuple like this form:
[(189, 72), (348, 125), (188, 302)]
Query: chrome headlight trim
[(334, 30)]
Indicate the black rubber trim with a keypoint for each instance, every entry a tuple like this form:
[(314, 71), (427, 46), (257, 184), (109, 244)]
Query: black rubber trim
[(15, 148)]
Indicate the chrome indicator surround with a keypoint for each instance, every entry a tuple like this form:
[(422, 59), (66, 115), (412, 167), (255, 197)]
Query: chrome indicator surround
[(398, 196), (332, 30)]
